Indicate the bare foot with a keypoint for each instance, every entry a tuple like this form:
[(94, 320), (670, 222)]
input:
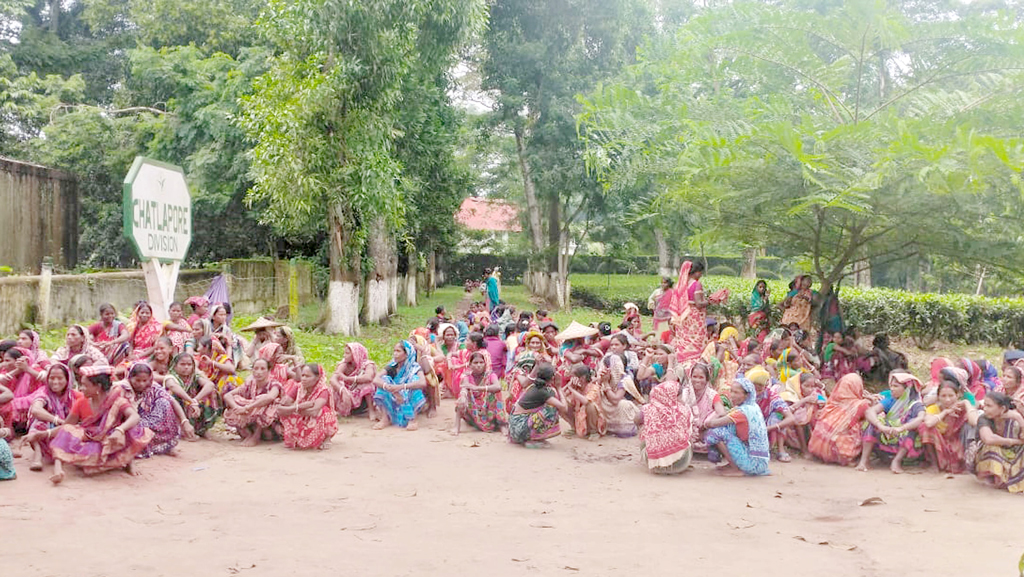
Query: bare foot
[(431, 413), (379, 425), (324, 446), (454, 432), (730, 470), (36, 466), (412, 426), (896, 467), (251, 441), (593, 437), (863, 468), (57, 478), (130, 469)]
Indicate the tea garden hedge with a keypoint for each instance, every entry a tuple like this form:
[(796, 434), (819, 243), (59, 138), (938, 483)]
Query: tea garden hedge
[(925, 317)]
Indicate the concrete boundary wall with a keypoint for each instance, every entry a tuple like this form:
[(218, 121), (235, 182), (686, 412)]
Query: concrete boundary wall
[(254, 286)]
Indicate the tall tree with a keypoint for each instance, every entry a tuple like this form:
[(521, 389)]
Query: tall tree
[(324, 121), (539, 55), (845, 134)]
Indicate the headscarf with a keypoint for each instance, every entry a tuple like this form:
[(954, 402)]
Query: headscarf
[(463, 330), (195, 302), (269, 352), (957, 376), (444, 327), (96, 370), (792, 392), (974, 383), (911, 395), (758, 375), (57, 405), (133, 322), (937, 364), (321, 385), (837, 434), (531, 334), (409, 370), (173, 369), (752, 428), (757, 300), (32, 352), (727, 333), (990, 376), (667, 426), (207, 327), (292, 348), (360, 356)]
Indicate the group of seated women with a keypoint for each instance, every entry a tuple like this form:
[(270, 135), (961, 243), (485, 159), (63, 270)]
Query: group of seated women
[(118, 391)]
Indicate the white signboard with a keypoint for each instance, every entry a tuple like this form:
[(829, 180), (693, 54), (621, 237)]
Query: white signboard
[(157, 210), (158, 223)]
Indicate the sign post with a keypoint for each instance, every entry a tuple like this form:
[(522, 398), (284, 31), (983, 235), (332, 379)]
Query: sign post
[(158, 223)]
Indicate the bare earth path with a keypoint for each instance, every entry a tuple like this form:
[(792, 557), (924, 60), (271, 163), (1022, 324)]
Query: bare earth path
[(424, 503)]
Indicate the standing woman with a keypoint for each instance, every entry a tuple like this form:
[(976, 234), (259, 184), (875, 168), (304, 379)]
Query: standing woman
[(740, 438), (102, 433), (195, 391), (352, 380), (535, 417), (51, 406), (687, 306), (399, 396), (144, 331), (798, 303), (110, 335), (77, 342), (158, 412), (308, 417), (1000, 460)]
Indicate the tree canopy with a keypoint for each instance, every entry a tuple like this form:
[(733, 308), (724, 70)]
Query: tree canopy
[(846, 134)]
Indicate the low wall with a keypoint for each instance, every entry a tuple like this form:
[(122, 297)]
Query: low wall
[(254, 286)]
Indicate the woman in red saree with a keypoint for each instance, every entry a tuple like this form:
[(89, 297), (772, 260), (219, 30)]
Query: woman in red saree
[(837, 434), (687, 308), (252, 408), (144, 331), (308, 417), (20, 378), (942, 433), (352, 380), (102, 432)]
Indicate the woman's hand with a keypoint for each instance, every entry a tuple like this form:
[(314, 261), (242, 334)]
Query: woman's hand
[(187, 430)]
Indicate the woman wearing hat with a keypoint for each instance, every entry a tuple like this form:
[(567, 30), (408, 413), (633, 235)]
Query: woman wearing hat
[(263, 333), (102, 432)]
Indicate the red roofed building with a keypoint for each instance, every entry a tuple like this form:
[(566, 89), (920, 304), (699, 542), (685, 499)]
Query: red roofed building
[(493, 215), (487, 216)]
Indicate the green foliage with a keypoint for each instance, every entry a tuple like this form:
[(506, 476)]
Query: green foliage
[(925, 317), (847, 134)]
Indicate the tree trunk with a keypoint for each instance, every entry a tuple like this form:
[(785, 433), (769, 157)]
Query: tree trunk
[(749, 263), (410, 279), (55, 16), (981, 279), (431, 272), (664, 258), (530, 193), (343, 288), (377, 289), (862, 275)]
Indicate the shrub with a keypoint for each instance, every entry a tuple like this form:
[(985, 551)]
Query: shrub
[(925, 317)]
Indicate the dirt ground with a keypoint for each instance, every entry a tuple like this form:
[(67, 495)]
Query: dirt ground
[(397, 502)]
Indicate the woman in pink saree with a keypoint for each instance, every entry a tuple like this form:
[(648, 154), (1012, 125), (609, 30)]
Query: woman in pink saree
[(686, 308)]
